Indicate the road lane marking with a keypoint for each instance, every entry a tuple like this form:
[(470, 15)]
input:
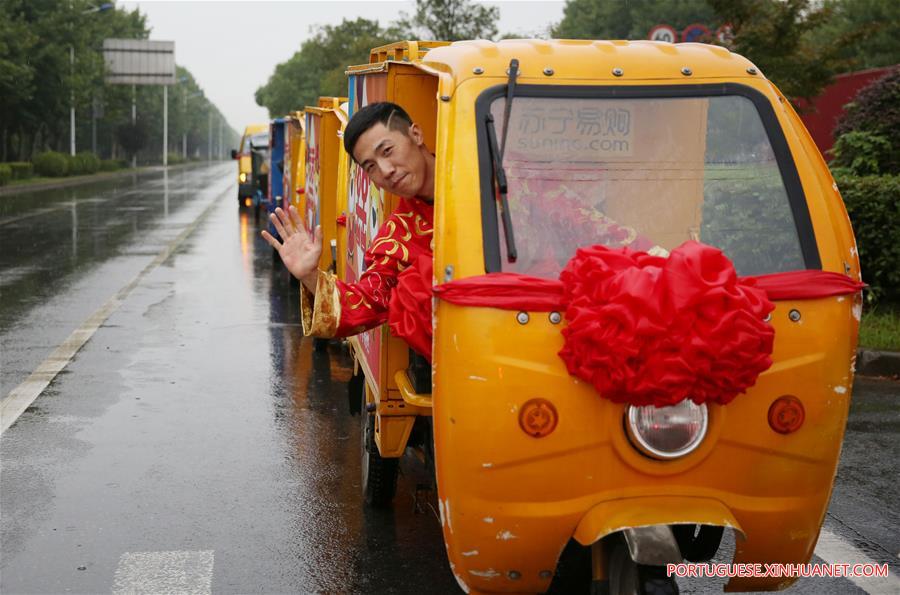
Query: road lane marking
[(22, 396), (164, 572), (835, 550)]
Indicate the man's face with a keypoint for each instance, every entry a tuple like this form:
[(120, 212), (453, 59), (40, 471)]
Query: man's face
[(393, 160)]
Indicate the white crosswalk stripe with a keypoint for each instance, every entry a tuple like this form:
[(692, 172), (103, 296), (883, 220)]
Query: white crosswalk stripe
[(835, 550), (182, 572)]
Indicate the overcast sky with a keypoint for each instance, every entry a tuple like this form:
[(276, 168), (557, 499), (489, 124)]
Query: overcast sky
[(232, 47)]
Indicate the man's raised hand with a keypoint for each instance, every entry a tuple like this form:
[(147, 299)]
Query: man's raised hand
[(298, 251)]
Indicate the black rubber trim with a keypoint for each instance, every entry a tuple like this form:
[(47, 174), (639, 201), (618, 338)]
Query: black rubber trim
[(786, 165)]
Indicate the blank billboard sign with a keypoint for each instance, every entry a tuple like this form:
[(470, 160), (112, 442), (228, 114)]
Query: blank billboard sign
[(139, 62)]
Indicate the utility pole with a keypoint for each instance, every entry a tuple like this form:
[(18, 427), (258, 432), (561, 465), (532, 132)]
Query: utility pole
[(96, 114), (72, 98), (94, 110), (209, 135), (133, 119), (184, 123), (165, 125), (221, 150)]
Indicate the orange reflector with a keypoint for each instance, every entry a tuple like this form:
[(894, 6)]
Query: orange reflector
[(786, 414), (538, 417), (248, 202)]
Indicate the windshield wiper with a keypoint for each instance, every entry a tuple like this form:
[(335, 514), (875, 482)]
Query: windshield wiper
[(510, 93), (498, 177), (498, 174)]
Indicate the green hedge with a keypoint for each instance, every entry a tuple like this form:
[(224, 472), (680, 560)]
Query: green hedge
[(51, 164), (21, 170), (83, 163), (873, 203), (876, 110), (110, 165), (5, 174)]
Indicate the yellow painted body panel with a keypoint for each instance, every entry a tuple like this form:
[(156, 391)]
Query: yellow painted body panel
[(516, 500), (327, 126), (295, 129), (343, 179)]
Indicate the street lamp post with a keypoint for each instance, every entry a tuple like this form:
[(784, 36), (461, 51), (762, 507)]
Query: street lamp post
[(185, 130), (102, 8)]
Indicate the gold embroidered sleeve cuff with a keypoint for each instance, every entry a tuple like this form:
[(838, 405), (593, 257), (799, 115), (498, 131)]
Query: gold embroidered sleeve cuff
[(321, 312)]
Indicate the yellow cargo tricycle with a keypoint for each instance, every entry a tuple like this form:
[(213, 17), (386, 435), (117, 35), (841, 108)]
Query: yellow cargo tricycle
[(548, 148)]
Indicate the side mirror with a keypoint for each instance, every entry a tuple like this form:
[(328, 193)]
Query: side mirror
[(234, 154)]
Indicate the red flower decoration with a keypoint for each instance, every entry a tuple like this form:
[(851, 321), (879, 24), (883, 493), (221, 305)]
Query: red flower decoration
[(649, 330), (409, 311)]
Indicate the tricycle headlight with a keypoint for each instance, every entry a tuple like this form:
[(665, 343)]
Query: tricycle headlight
[(243, 177), (667, 432)]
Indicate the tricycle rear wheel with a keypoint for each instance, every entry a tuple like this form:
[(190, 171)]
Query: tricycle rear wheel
[(379, 475)]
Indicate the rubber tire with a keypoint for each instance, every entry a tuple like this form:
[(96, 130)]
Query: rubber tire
[(379, 475), (320, 344), (626, 577), (356, 393), (623, 575)]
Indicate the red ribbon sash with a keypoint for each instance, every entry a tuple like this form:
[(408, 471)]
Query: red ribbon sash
[(642, 329)]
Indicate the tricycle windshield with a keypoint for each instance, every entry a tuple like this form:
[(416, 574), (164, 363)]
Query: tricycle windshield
[(259, 140), (647, 172)]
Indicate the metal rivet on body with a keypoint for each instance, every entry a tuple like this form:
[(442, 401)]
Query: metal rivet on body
[(687, 71), (445, 98), (794, 315), (751, 70), (448, 273), (523, 318), (514, 575), (618, 72), (478, 70), (548, 71), (555, 317), (545, 574)]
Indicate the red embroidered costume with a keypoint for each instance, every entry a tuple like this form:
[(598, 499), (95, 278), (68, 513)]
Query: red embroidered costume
[(341, 309)]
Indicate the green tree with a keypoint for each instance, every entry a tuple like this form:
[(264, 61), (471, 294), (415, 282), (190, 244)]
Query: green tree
[(318, 68), (776, 36), (38, 81), (16, 75), (449, 20), (629, 19), (873, 26)]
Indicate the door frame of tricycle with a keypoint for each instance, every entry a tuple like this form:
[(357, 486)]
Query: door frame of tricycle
[(382, 357)]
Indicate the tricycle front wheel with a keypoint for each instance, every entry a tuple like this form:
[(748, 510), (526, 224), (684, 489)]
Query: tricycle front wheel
[(626, 577)]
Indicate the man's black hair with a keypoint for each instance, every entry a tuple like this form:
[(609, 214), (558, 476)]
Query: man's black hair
[(390, 114)]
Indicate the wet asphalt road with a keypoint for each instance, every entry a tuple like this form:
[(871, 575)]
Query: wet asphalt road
[(197, 425)]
